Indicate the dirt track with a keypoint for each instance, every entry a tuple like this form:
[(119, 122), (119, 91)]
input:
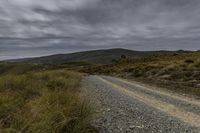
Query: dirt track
[(131, 107)]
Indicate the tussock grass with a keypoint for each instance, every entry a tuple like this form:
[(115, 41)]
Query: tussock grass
[(175, 72), (47, 101)]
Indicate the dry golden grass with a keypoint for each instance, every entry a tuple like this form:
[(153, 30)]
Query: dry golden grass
[(176, 72), (47, 101)]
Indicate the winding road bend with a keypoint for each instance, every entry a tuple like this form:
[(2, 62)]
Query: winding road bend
[(131, 107)]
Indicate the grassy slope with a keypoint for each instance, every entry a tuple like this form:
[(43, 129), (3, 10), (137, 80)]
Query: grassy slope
[(176, 72), (42, 101)]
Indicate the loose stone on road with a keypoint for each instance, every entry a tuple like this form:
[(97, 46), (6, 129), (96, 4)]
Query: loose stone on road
[(128, 107)]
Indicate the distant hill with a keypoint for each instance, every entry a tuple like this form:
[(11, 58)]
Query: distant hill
[(105, 56)]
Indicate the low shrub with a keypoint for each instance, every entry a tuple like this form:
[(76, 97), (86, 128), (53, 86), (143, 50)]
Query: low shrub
[(189, 61)]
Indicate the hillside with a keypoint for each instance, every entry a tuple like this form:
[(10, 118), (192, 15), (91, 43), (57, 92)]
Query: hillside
[(97, 56), (175, 72)]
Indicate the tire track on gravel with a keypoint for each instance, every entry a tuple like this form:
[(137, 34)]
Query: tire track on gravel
[(185, 116)]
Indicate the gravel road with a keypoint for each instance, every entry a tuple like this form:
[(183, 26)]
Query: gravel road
[(131, 107)]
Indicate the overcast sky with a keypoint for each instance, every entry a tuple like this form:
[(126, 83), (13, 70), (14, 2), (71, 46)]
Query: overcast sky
[(41, 27)]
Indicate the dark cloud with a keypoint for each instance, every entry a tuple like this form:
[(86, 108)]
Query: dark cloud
[(34, 28)]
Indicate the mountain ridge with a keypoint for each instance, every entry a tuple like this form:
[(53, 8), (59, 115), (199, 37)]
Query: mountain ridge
[(103, 56)]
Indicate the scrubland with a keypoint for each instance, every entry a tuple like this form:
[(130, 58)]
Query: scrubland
[(36, 99), (174, 72)]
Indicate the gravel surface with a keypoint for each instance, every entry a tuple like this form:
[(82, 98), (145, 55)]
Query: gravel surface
[(121, 113), (181, 104)]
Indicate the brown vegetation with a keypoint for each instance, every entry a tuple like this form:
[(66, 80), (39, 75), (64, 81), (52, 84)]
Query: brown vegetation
[(42, 101), (176, 72)]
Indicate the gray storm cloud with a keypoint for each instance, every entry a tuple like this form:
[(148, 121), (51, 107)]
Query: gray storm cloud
[(41, 27)]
